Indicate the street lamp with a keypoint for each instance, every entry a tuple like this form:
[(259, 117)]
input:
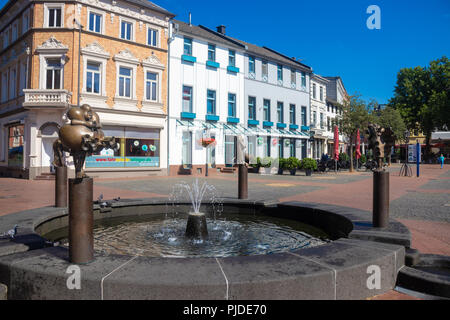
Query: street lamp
[(79, 55)]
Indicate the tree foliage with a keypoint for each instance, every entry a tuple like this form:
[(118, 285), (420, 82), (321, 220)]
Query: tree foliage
[(422, 95), (390, 117)]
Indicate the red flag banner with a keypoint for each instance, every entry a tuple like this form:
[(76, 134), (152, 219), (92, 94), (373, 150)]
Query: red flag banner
[(336, 143), (358, 145)]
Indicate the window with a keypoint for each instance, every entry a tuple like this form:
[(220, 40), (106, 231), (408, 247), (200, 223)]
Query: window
[(93, 76), (251, 108), (292, 114), (12, 81), (211, 102), (314, 119), (14, 32), (292, 149), (314, 90), (186, 158), (211, 52), (4, 86), (293, 80), (251, 64), (187, 99), (25, 23), (138, 148), (267, 146), (265, 72), (328, 124), (54, 17), (231, 58), (5, 38), (304, 122), (151, 86), (126, 29), (23, 77), (152, 37), (280, 73), (280, 112), (95, 22), (53, 74), (321, 121), (266, 108), (187, 46), (231, 105), (125, 82), (321, 93), (303, 80)]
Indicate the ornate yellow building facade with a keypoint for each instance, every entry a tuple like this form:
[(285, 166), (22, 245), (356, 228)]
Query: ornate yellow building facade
[(123, 76)]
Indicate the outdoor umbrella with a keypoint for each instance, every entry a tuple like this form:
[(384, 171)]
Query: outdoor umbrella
[(358, 145), (336, 143)]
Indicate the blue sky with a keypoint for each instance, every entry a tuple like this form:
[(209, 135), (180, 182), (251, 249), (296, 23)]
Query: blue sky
[(331, 36)]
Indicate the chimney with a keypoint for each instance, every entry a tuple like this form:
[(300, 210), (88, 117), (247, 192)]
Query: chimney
[(221, 29)]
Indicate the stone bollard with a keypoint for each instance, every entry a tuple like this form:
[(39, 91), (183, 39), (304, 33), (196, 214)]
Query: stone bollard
[(3, 292), (380, 217), (243, 182), (61, 187), (81, 220)]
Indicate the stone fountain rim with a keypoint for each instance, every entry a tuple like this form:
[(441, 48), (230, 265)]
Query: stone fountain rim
[(323, 272)]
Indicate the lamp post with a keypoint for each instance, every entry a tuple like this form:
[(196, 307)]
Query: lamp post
[(79, 56)]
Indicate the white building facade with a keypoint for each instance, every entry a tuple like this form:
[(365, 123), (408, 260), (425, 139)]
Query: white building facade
[(277, 104), (319, 130), (335, 99), (206, 99)]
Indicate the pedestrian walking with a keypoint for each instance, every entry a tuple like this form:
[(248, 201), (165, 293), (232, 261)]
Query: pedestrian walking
[(441, 160)]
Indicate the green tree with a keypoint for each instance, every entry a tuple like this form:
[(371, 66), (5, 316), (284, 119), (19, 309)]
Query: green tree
[(355, 116), (422, 95)]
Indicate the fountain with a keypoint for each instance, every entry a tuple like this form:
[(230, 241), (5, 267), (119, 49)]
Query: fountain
[(196, 227), (225, 248)]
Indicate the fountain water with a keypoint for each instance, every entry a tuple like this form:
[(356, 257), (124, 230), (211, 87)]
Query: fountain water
[(196, 227)]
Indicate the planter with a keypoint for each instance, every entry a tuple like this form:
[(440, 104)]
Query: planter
[(293, 172), (308, 172), (280, 171), (267, 170)]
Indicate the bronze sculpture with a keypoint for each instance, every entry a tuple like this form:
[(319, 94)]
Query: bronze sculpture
[(381, 141), (81, 137)]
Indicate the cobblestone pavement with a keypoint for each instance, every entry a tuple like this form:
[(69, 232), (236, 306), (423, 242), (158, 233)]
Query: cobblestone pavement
[(422, 204)]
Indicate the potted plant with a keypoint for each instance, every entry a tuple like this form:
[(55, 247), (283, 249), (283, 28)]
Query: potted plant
[(292, 165), (281, 165), (309, 165), (255, 163), (266, 163)]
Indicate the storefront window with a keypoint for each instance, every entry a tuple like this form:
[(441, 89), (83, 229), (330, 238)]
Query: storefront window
[(137, 148), (15, 145)]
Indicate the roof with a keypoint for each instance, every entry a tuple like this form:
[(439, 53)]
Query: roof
[(338, 78), (271, 54), (319, 78), (207, 34), (264, 52), (151, 5), (140, 3)]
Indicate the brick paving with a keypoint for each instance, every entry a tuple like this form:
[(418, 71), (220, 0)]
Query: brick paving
[(422, 204)]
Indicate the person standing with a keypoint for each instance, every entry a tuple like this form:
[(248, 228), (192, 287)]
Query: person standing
[(441, 160)]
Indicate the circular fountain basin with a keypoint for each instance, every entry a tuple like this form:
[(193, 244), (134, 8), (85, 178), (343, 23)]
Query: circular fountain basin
[(231, 235), (340, 269)]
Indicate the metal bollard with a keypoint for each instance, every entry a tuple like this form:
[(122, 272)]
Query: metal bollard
[(243, 182), (81, 220), (380, 217), (61, 187)]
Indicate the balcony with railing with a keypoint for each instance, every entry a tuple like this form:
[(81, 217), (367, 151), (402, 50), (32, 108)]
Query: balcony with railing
[(44, 98)]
